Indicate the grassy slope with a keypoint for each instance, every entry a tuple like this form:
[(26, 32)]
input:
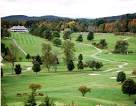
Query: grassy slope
[(62, 86)]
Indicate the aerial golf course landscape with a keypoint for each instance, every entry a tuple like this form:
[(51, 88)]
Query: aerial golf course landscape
[(62, 85)]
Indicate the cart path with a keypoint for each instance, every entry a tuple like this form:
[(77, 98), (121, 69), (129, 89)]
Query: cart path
[(22, 50), (119, 67)]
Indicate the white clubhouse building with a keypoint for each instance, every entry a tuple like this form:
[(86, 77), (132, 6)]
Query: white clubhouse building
[(18, 29)]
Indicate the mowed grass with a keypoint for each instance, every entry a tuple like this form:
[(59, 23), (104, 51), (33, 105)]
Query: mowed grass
[(63, 86)]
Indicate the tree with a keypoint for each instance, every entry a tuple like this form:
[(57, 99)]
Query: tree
[(80, 65), (69, 49), (67, 33), (132, 25), (54, 61), (1, 72), (18, 69), (79, 38), (121, 47), (31, 100), (90, 36), (34, 87), (80, 57), (91, 64), (129, 87), (95, 65), (57, 41), (47, 34), (121, 77), (5, 33), (56, 34), (47, 102), (70, 65), (28, 56), (134, 72), (11, 55), (47, 55), (38, 59), (103, 43), (84, 90), (36, 67), (98, 65)]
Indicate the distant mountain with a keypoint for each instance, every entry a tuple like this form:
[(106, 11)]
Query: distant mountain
[(54, 18), (25, 18), (118, 17)]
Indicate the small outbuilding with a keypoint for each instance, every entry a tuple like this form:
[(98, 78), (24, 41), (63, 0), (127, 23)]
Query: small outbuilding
[(18, 29)]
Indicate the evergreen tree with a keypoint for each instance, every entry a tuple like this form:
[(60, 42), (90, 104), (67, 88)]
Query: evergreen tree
[(103, 43), (31, 100), (98, 65), (28, 56), (80, 65), (90, 36), (80, 57), (121, 77), (70, 65), (36, 66), (18, 69), (80, 38), (38, 59), (47, 102)]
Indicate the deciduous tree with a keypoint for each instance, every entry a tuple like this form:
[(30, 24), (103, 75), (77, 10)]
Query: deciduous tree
[(129, 87), (84, 90)]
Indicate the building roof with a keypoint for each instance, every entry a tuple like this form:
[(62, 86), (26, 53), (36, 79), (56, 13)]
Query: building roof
[(18, 27)]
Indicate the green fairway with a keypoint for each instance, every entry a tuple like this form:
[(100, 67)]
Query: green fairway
[(62, 85)]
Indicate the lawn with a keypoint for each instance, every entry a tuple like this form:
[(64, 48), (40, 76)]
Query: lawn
[(63, 86)]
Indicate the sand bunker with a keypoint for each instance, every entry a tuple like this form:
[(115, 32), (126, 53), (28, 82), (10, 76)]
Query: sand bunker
[(29, 68), (93, 74), (112, 77)]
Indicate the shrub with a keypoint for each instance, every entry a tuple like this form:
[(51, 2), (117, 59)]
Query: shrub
[(84, 90)]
